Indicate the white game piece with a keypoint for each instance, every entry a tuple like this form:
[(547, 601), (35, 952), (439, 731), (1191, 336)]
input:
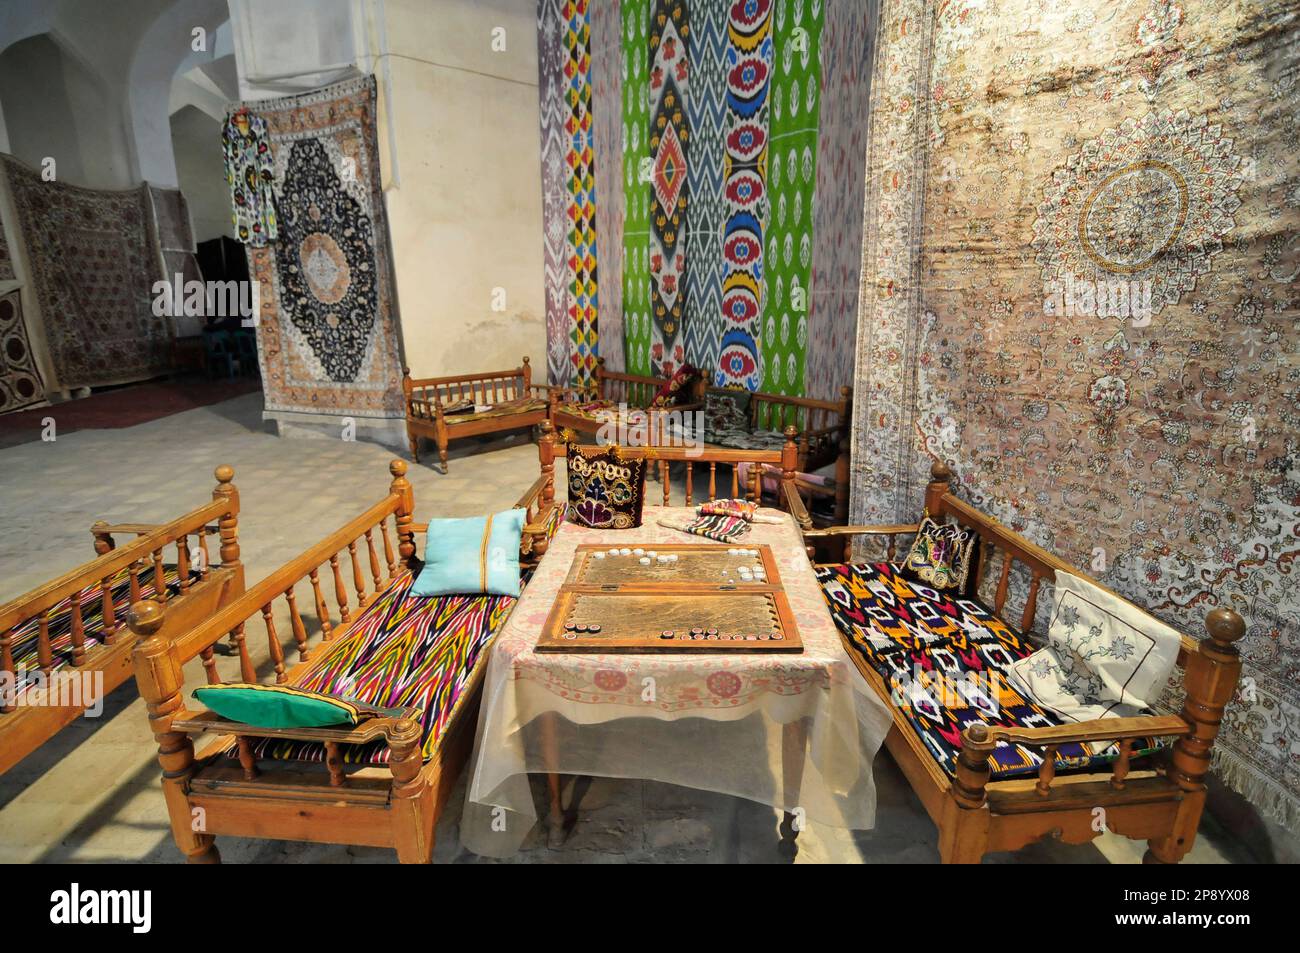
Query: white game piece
[(599, 555), (644, 560), (651, 553), (625, 552), (639, 551), (663, 559), (614, 551)]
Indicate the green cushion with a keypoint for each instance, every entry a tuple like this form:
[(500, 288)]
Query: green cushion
[(278, 706), (471, 556)]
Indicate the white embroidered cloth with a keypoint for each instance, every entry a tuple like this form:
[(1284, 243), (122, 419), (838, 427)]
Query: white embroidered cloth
[(1103, 658), (706, 721)]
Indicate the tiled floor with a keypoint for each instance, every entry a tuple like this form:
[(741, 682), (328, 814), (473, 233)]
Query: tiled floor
[(92, 793)]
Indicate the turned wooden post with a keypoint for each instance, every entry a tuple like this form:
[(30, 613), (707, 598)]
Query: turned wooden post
[(412, 815), (972, 773), (1210, 680), (402, 489), (940, 481), (842, 478), (600, 378), (228, 524), (528, 378), (408, 392), (964, 822), (158, 676), (104, 542), (546, 454), (7, 698)]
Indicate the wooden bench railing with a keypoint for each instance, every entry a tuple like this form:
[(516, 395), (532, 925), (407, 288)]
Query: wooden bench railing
[(148, 549), (349, 555), (690, 456), (635, 390)]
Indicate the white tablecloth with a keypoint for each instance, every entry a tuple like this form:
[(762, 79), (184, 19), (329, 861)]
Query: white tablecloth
[(704, 720)]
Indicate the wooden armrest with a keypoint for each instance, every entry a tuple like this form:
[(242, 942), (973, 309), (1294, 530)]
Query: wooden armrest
[(532, 493), (372, 729), (832, 531), (1101, 729), (794, 502), (140, 529)]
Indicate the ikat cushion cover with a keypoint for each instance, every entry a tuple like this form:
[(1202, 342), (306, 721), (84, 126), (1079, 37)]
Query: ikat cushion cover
[(606, 489), (943, 556), (476, 555), (671, 391), (1104, 657), (944, 661), (401, 652)]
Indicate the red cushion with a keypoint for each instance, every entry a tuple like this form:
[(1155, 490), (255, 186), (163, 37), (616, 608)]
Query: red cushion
[(674, 385)]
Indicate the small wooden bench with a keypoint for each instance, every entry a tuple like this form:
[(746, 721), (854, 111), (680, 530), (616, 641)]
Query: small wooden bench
[(444, 409)]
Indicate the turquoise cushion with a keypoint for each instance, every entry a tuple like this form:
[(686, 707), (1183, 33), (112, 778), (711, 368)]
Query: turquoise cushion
[(469, 556), (277, 706)]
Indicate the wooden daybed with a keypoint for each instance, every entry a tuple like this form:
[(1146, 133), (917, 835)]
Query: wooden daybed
[(620, 399), (382, 783), (59, 639), (444, 409), (1158, 798)]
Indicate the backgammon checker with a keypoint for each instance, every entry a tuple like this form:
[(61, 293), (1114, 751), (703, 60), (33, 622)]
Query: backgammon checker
[(671, 597)]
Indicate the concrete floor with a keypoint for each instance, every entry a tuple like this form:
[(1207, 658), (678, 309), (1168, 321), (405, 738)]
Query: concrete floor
[(92, 793)]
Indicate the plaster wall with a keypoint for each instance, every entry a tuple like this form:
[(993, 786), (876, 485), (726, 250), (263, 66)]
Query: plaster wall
[(464, 201)]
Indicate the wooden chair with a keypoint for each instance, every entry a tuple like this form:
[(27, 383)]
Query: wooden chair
[(394, 804), (976, 815), (92, 600), (510, 395)]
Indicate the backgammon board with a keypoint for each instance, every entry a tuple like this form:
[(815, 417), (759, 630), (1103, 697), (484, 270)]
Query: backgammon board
[(671, 597)]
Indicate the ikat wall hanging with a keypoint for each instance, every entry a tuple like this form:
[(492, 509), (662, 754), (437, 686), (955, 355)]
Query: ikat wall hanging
[(1080, 289), (715, 252), (569, 190), (327, 339)]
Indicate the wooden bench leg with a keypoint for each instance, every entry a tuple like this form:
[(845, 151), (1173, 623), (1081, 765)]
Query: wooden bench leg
[(412, 803), (415, 444), (442, 451), (547, 725), (794, 749)]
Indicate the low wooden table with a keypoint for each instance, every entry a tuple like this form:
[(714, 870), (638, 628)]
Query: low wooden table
[(793, 729)]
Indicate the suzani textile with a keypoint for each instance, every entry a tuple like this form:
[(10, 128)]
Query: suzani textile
[(1079, 289), (249, 174), (327, 339), (718, 249), (20, 379), (91, 259)]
